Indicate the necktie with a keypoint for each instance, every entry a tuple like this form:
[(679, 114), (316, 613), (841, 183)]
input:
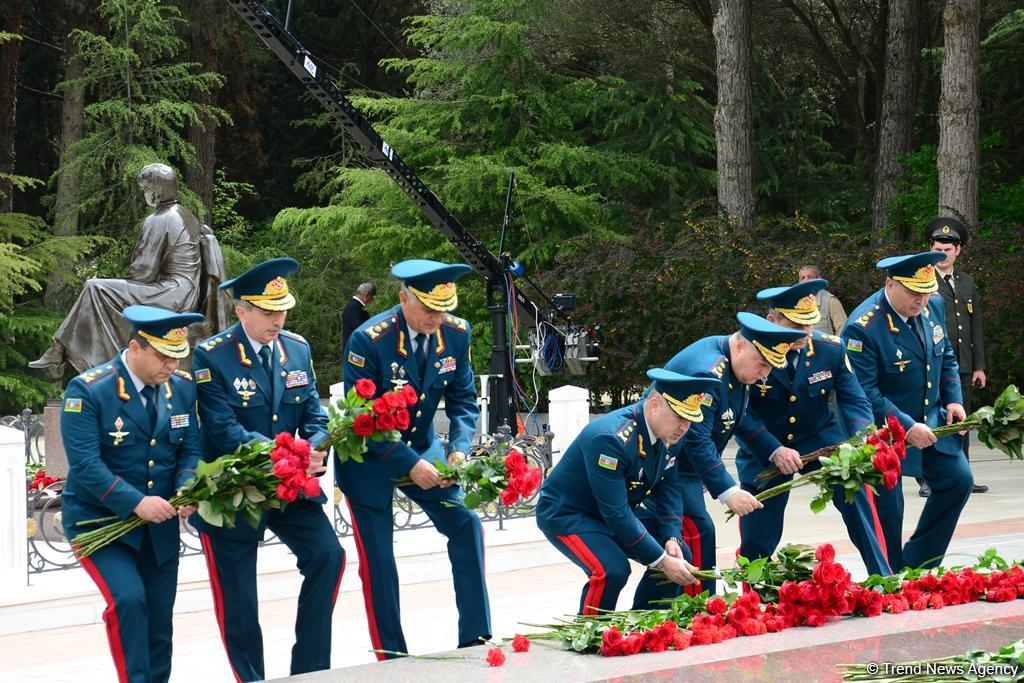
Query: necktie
[(265, 359), (791, 360), (421, 353), (149, 393), (949, 281), (915, 323)]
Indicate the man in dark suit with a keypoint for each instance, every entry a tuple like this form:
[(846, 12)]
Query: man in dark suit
[(963, 313), (355, 313), (130, 431), (254, 381)]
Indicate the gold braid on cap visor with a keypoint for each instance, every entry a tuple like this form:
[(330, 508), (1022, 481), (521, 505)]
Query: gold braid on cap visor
[(804, 313), (688, 409), (922, 282), (275, 296), (174, 343), (776, 356), (441, 298)]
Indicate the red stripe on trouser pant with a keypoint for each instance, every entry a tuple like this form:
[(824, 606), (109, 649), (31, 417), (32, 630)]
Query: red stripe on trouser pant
[(364, 577), (691, 537), (218, 596), (597, 572), (879, 533), (109, 618)]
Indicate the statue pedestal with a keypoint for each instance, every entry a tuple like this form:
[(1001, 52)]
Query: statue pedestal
[(56, 460)]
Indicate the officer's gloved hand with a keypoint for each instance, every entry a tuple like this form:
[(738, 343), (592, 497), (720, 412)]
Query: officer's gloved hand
[(154, 509), (743, 503), (920, 436)]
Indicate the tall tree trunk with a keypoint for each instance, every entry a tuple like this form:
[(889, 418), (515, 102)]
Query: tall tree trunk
[(9, 54), (734, 112), (959, 112), (72, 121), (896, 129), (203, 138)]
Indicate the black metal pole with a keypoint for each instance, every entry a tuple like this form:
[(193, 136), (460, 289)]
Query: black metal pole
[(502, 408)]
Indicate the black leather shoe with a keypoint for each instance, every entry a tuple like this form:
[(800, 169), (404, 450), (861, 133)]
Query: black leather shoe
[(979, 488), (924, 491)]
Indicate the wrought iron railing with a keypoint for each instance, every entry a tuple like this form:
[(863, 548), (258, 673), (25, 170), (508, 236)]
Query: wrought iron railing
[(49, 549)]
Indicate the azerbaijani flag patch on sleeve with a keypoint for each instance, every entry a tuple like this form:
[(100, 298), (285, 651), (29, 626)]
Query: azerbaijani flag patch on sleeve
[(854, 345), (202, 375), (708, 400), (356, 360), (607, 462), (72, 405)]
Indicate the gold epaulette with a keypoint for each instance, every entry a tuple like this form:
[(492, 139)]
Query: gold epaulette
[(90, 376), (718, 368), (217, 342), (183, 374), (379, 330), (293, 335), (456, 323), (626, 431), (867, 318), (830, 338)]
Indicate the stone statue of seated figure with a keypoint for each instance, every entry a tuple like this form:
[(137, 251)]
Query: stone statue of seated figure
[(177, 265)]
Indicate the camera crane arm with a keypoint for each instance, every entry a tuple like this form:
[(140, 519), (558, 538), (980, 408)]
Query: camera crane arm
[(345, 115)]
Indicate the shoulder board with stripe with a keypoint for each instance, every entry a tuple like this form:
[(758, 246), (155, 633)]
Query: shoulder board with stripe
[(718, 367), (625, 432), (97, 373), (296, 337), (829, 338), (218, 342), (382, 329), (183, 374), (456, 323), (869, 317)]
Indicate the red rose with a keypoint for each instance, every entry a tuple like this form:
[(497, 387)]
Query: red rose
[(825, 553), (654, 642), (680, 640), (279, 453), (410, 395), (286, 493), (899, 434), (301, 448), (363, 425), (890, 479), (520, 644), (380, 406), (716, 606), (394, 400), (365, 388), (284, 468), (515, 463), (611, 641), (402, 419), (386, 421), (509, 497), (495, 656), (284, 439), (633, 643), (311, 488)]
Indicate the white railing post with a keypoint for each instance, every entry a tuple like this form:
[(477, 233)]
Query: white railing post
[(13, 541), (568, 414)]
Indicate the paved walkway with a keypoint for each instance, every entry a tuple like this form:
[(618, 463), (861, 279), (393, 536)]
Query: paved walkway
[(537, 594)]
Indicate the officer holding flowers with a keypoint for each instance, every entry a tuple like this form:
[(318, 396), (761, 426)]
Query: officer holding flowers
[(419, 347)]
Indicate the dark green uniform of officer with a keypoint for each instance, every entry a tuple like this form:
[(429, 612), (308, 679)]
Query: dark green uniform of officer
[(963, 313)]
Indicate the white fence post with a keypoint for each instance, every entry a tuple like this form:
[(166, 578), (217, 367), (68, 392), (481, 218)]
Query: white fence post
[(13, 542), (337, 393), (568, 414)]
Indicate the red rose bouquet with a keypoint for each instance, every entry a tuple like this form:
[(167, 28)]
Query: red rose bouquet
[(258, 476), (872, 458), (359, 416), (492, 472)]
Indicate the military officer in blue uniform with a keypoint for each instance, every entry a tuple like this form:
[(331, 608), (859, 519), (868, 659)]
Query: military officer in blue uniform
[(255, 380), (132, 440), (738, 360), (590, 505), (793, 404), (896, 341), (421, 344)]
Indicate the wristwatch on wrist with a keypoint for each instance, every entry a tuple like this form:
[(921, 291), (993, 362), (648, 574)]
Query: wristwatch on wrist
[(673, 538)]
